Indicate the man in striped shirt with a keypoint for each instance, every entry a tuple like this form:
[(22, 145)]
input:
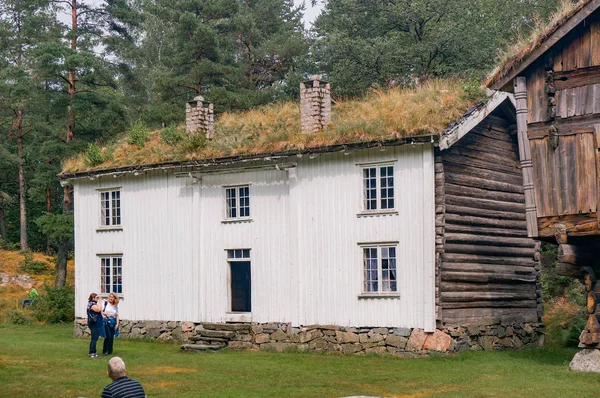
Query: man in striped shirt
[(122, 386)]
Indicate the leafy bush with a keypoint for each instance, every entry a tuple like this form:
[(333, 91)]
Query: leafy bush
[(18, 318), (171, 135), (194, 142), (55, 305), (94, 155), (474, 91), (138, 135), (564, 321), (30, 266)]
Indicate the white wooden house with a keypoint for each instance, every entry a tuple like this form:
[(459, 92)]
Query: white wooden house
[(362, 240)]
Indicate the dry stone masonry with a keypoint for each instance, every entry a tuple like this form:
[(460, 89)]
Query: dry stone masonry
[(315, 105), (328, 338), (199, 117)]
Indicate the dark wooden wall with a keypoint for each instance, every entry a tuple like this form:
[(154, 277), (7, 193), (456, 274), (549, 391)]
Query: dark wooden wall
[(487, 268), (563, 97)]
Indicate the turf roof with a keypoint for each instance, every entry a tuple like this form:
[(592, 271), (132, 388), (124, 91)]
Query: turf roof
[(517, 53), (380, 116)]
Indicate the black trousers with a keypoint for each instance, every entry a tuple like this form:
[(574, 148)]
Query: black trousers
[(95, 332), (107, 347)]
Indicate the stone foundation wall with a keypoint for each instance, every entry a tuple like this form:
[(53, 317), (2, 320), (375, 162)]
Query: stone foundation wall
[(347, 340)]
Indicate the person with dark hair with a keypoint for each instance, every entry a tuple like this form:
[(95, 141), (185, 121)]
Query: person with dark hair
[(121, 386), (94, 318)]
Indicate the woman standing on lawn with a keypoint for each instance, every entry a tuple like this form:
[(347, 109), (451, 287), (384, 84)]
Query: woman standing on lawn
[(94, 322), (110, 312)]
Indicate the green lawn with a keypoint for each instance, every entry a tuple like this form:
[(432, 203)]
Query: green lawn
[(46, 361)]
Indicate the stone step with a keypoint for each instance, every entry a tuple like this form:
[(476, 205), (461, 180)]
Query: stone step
[(220, 334), (234, 327), (200, 347), (209, 339)]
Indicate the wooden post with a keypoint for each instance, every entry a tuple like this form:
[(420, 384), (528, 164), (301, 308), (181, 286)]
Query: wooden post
[(591, 334), (525, 156), (597, 141)]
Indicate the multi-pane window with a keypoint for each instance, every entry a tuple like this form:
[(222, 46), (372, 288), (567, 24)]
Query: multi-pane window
[(237, 200), (378, 188), (110, 208), (111, 274), (379, 269), (238, 254)]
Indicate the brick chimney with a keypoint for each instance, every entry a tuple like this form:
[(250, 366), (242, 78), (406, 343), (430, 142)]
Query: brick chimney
[(315, 105), (199, 116)]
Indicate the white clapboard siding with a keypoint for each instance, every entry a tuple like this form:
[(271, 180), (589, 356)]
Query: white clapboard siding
[(303, 235)]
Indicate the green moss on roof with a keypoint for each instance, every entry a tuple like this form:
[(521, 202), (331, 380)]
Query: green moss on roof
[(379, 116)]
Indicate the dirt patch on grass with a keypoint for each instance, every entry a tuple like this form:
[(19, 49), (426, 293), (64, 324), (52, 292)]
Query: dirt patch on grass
[(161, 370)]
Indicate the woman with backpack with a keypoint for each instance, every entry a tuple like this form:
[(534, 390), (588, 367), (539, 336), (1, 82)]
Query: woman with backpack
[(94, 322), (110, 312)]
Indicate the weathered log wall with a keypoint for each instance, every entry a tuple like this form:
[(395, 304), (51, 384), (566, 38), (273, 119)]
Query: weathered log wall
[(487, 266)]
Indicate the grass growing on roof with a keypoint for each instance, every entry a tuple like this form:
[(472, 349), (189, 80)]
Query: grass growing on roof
[(380, 115), (524, 46), (46, 361)]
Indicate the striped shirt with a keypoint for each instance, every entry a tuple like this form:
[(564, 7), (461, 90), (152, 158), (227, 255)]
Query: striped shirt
[(124, 387)]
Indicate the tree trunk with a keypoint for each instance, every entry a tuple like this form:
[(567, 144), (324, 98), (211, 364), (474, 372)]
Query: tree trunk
[(22, 183), (2, 219), (61, 263), (48, 210)]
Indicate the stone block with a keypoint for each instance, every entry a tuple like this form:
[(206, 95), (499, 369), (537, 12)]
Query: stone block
[(396, 341), (351, 348), (404, 332), (243, 337), (279, 347), (473, 330), (375, 338), (306, 336), (416, 340), (261, 338), (438, 341), (279, 335), (346, 337), (587, 360), (380, 330), (239, 345), (376, 350), (487, 342)]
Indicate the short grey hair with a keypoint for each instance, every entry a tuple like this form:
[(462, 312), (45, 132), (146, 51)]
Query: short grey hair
[(116, 368)]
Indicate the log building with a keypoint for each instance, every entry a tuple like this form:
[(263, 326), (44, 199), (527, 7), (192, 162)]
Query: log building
[(556, 84)]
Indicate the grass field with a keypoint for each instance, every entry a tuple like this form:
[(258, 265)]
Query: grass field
[(46, 361)]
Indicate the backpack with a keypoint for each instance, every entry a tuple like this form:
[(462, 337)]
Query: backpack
[(92, 316)]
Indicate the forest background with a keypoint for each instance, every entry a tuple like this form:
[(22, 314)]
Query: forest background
[(78, 73)]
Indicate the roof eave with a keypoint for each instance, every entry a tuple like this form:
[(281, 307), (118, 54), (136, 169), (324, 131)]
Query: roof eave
[(67, 178), (468, 123), (505, 82)]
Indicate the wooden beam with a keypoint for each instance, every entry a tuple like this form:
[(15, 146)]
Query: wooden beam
[(597, 144), (558, 34), (577, 78), (567, 126), (520, 89)]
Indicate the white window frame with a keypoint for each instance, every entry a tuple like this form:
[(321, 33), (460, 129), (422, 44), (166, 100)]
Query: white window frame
[(233, 256), (380, 188), (237, 207), (114, 264), (113, 208), (382, 252)]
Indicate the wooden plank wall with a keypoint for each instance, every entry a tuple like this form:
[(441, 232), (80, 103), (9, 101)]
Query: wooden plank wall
[(574, 67), (563, 109), (565, 177), (488, 268)]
